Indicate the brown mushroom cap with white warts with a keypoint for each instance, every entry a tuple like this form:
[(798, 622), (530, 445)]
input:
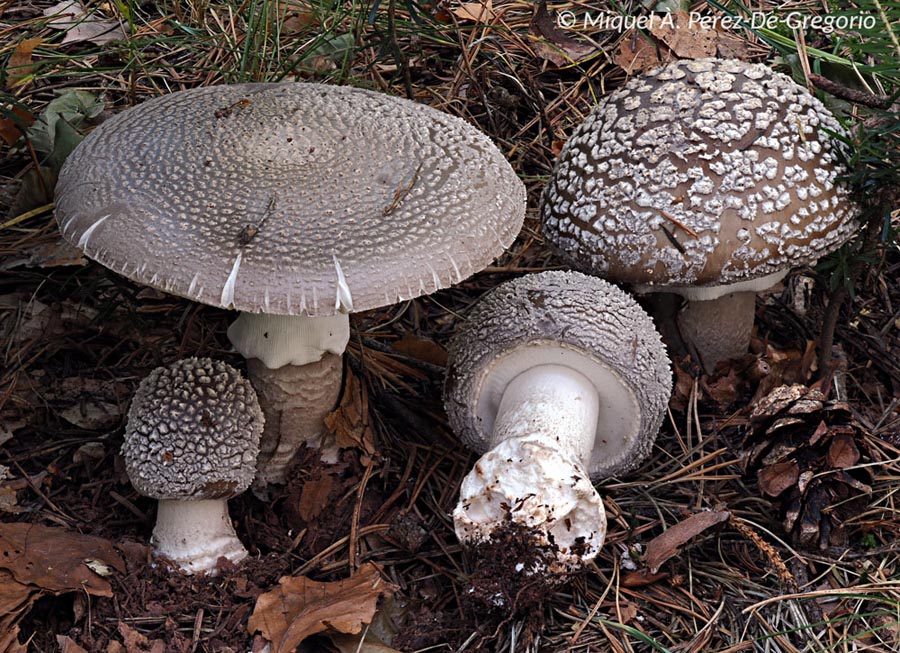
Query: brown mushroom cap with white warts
[(289, 198), (569, 319), (193, 432), (700, 173)]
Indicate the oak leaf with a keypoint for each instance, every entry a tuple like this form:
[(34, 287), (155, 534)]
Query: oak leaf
[(56, 560), (300, 607)]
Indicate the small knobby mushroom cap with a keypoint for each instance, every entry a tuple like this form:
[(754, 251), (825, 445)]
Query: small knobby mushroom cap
[(289, 198), (703, 172), (570, 319), (193, 432)]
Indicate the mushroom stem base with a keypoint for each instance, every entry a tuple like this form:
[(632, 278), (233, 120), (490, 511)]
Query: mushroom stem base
[(295, 400), (718, 329), (195, 534), (540, 488)]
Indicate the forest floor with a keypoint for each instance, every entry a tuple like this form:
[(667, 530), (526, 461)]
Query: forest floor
[(766, 561)]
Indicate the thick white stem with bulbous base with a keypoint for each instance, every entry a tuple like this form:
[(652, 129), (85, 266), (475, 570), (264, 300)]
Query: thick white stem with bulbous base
[(535, 473), (294, 363), (195, 534)]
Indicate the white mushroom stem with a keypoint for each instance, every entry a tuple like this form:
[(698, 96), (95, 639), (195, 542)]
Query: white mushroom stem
[(535, 472), (195, 534), (718, 329), (279, 340), (294, 363)]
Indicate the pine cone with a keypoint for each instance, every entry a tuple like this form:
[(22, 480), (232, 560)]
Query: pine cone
[(804, 450)]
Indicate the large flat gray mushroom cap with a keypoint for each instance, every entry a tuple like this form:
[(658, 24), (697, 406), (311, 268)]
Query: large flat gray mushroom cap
[(701, 172), (289, 198)]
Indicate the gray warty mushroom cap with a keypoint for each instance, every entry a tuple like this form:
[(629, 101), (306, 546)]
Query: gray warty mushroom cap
[(580, 317), (733, 152), (289, 198), (193, 432)]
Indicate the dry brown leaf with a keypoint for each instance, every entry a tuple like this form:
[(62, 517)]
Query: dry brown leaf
[(684, 388), (724, 390), (56, 560), (675, 37), (421, 349), (73, 17), (296, 16), (626, 612), (842, 453), (35, 559), (92, 415), (136, 642), (729, 45), (664, 546), (9, 500), (9, 128), (684, 39), (636, 53), (775, 479), (68, 645), (314, 496), (95, 404), (46, 255), (8, 496), (557, 47), (9, 636), (35, 320), (293, 25), (350, 420), (351, 644), (14, 596), (642, 578), (20, 65), (10, 135), (479, 12), (300, 607)]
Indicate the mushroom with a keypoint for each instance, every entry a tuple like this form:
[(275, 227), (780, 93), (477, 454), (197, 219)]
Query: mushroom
[(191, 443), (295, 204), (707, 178), (557, 378)]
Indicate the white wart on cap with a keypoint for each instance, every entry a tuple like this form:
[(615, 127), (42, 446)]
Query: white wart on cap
[(560, 378), (191, 442), (295, 204), (704, 178)]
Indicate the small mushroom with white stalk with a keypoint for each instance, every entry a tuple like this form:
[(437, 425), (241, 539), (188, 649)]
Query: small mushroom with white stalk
[(295, 204), (558, 378), (191, 443), (709, 179)]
